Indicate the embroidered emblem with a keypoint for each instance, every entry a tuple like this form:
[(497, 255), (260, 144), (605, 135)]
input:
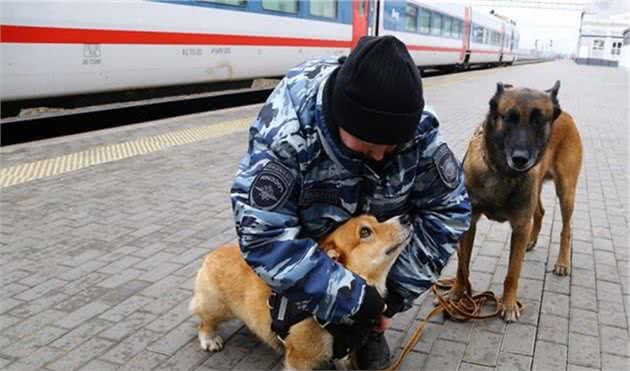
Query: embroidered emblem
[(271, 187), (446, 165)]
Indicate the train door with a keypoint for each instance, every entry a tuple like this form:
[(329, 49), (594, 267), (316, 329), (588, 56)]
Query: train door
[(359, 20), (465, 53), (502, 42)]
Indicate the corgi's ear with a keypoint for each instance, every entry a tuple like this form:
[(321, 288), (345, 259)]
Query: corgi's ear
[(333, 254)]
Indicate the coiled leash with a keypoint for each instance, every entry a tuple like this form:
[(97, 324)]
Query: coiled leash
[(466, 308)]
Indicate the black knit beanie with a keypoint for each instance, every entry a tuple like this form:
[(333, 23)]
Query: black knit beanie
[(377, 94)]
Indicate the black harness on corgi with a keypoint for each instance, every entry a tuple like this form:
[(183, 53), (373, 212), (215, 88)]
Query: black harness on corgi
[(347, 338)]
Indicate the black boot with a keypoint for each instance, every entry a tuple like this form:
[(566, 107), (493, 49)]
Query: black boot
[(374, 355)]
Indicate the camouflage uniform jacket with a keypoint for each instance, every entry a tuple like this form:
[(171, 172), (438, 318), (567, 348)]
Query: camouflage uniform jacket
[(296, 183)]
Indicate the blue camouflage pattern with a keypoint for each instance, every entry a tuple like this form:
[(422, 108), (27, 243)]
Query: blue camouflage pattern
[(293, 155)]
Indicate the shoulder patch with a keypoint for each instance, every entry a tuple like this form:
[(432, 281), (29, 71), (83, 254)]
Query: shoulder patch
[(272, 186), (446, 165)]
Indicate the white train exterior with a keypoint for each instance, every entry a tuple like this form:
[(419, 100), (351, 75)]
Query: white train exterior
[(51, 48)]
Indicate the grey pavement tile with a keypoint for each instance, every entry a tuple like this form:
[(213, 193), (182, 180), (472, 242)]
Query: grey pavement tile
[(583, 277), (170, 319), (263, 358), (99, 365), (456, 331), (120, 278), (82, 314), (580, 368), (519, 339), (35, 360), (32, 342), (614, 340), (530, 289), (130, 346), (531, 313), (145, 360), (608, 291), (606, 273), (553, 328), (473, 367), (234, 352), (584, 298), (428, 338), (80, 355), (549, 356), (128, 325), (173, 340), (80, 334), (554, 303), (127, 307), (445, 355), (558, 284), (612, 314), (513, 362), (584, 350), (483, 348), (32, 324), (583, 322), (614, 362)]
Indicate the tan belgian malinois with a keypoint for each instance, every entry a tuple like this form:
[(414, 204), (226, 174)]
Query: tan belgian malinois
[(524, 140)]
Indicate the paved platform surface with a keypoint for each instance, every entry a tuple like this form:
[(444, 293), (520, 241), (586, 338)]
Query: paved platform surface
[(101, 234)]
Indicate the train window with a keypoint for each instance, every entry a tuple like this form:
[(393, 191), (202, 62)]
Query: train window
[(460, 29), (285, 6), (436, 23), (477, 34), (446, 26), (324, 8), (455, 29), (598, 44), (411, 18), (425, 21), (226, 2)]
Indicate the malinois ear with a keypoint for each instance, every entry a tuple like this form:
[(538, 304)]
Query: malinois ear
[(494, 102), (553, 92)]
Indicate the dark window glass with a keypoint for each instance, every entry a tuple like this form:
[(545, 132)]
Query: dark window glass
[(285, 6), (226, 2), (446, 26), (411, 18), (324, 8), (436, 23), (425, 21)]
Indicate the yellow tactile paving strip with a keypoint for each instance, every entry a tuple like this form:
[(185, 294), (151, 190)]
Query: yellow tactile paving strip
[(27, 172)]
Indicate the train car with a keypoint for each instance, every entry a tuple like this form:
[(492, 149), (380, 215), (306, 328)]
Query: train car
[(58, 48), (51, 49), (433, 31)]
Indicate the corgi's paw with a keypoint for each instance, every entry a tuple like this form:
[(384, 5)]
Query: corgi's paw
[(211, 343)]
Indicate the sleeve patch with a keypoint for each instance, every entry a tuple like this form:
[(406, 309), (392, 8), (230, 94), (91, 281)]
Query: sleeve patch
[(271, 187), (446, 165)]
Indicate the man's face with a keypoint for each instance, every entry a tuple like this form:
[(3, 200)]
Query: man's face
[(376, 152)]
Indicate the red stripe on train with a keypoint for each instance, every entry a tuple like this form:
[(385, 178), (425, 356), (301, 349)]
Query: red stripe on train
[(55, 35)]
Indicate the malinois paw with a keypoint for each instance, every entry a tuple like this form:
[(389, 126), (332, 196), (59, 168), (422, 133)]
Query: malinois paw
[(531, 244), (561, 269), (211, 344), (510, 313)]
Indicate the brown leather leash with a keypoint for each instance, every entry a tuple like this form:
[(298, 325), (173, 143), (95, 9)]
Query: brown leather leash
[(466, 308)]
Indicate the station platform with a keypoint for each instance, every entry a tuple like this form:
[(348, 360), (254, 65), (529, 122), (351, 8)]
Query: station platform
[(101, 235)]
